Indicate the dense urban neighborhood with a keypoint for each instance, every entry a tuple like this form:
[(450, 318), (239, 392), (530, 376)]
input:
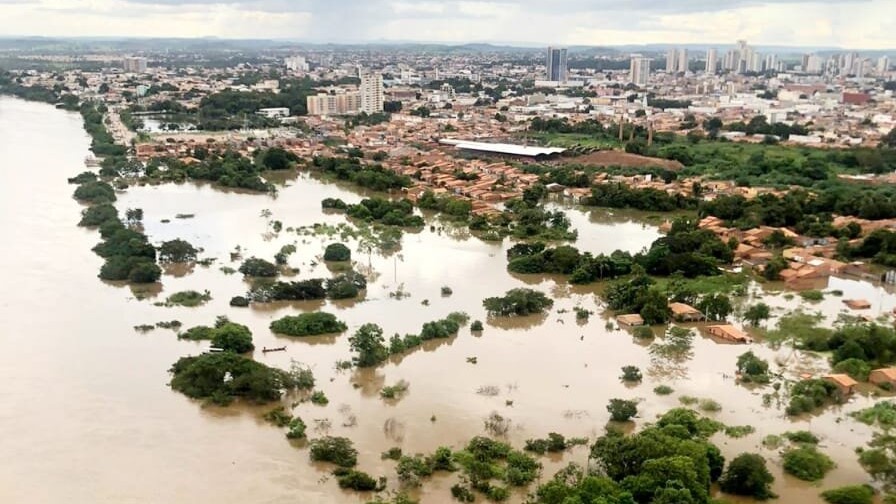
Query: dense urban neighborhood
[(426, 266)]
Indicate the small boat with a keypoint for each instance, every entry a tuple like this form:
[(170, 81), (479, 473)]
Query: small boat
[(279, 349)]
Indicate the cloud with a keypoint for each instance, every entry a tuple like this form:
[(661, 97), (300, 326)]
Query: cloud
[(848, 23)]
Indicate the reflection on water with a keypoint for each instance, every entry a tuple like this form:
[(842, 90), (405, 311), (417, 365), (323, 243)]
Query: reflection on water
[(90, 395)]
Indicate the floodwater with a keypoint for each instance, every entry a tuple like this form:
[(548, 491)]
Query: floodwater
[(89, 416)]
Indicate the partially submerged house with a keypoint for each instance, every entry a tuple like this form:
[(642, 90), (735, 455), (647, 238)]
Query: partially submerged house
[(845, 384), (884, 377), (728, 332), (630, 320), (857, 304), (685, 313)]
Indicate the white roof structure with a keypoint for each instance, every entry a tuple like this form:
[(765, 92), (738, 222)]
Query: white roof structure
[(503, 148)]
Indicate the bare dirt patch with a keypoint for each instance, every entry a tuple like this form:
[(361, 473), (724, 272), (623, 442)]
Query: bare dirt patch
[(620, 158)]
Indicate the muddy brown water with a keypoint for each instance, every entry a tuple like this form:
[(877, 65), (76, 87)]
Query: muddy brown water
[(89, 417)]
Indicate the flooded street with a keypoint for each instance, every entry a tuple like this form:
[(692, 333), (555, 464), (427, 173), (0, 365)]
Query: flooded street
[(89, 417)]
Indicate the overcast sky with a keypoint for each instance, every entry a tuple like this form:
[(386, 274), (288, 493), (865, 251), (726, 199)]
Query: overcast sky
[(869, 24)]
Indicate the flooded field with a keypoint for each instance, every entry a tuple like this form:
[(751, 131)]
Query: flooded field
[(90, 417)]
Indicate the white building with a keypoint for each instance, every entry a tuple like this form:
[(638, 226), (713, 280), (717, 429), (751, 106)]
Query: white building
[(682, 64), (712, 57), (296, 64), (273, 112), (134, 64), (671, 60), (371, 91), (883, 65), (639, 71)]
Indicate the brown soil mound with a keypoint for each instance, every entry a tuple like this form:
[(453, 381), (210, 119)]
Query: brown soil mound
[(619, 158)]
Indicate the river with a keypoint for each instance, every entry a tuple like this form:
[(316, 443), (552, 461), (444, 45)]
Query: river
[(89, 417)]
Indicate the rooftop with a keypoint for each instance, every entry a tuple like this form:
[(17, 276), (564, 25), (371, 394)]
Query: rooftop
[(504, 148)]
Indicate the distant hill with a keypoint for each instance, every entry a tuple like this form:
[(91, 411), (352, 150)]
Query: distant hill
[(129, 44)]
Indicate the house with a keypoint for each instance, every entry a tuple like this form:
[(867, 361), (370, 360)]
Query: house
[(845, 384), (885, 377), (631, 320), (685, 313), (857, 304), (728, 332)]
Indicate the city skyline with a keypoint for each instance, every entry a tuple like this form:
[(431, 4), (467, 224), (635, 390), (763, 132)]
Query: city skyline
[(846, 24)]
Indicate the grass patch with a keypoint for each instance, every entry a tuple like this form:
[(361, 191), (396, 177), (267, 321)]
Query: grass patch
[(882, 414), (739, 431), (395, 391), (812, 295), (663, 390), (688, 400), (189, 298)]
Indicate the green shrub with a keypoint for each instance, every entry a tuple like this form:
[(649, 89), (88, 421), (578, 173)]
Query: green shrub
[(355, 480), (204, 377), (177, 251), (189, 298), (255, 267), (239, 302), (393, 453), (858, 369), (631, 374), (748, 475), (554, 443), (337, 252), (278, 416), (476, 326), (296, 429), (308, 324), (622, 410), (95, 192), (394, 391), (853, 494), (462, 493), (752, 369), (98, 215), (198, 333), (232, 337), (319, 398), (663, 390), (739, 431), (337, 450), (804, 437), (643, 333), (518, 302), (710, 405), (812, 295), (807, 395), (807, 463)]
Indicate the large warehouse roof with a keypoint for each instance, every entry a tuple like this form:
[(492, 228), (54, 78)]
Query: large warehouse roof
[(503, 148)]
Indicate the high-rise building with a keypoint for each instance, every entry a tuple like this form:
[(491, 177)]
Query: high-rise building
[(134, 64), (671, 60), (731, 59), (336, 103), (371, 90), (682, 64), (556, 64), (711, 61), (639, 71), (813, 64), (883, 65), (677, 60), (296, 64)]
